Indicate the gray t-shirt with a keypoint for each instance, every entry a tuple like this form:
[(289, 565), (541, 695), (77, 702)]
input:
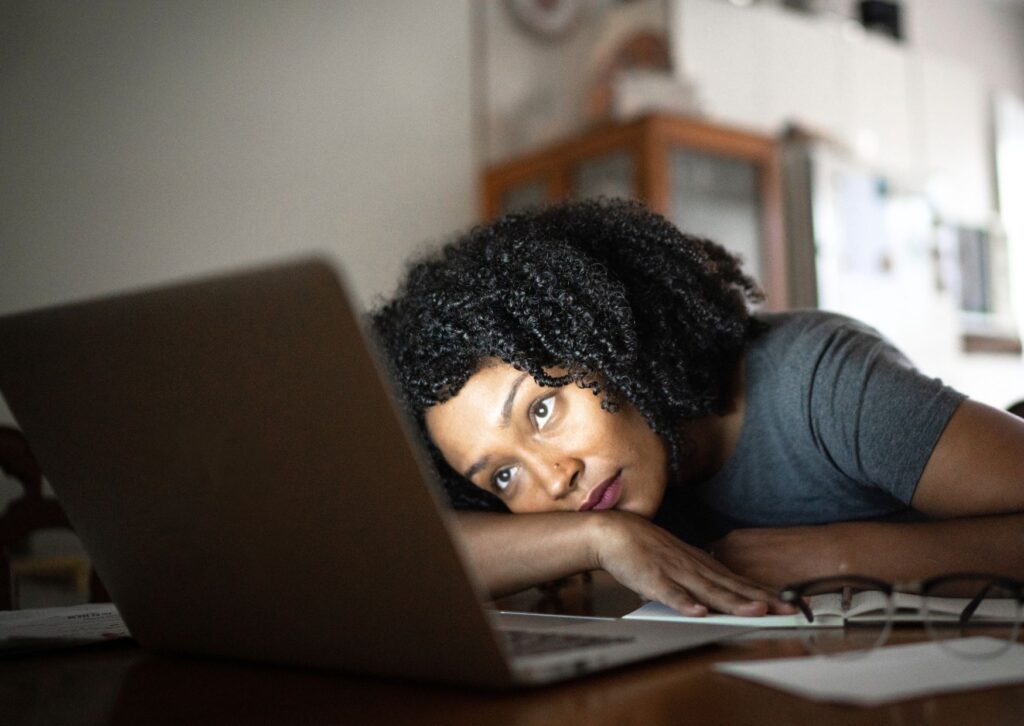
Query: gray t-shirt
[(838, 426)]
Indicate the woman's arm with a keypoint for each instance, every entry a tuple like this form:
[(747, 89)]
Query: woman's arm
[(888, 550), (513, 552), (977, 467), (973, 484)]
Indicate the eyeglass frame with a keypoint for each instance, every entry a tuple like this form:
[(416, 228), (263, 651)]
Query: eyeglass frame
[(794, 594)]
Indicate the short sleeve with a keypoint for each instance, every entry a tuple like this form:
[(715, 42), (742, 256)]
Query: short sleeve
[(875, 416)]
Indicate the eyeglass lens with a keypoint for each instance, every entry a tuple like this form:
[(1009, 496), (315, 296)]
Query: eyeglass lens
[(837, 600), (969, 606)]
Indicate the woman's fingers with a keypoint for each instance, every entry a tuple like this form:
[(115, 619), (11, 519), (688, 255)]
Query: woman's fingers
[(696, 597), (751, 591), (726, 600), (726, 591), (658, 566), (679, 599), (692, 593), (746, 587), (739, 585)]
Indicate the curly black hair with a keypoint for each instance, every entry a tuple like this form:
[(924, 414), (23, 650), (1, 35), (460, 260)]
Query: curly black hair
[(612, 293)]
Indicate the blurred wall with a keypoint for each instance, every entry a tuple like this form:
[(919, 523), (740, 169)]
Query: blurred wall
[(986, 35), (144, 140)]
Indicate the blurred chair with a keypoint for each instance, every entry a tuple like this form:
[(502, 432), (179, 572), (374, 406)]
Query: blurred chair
[(29, 513)]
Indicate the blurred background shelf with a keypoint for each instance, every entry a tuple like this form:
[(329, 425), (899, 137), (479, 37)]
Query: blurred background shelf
[(710, 180)]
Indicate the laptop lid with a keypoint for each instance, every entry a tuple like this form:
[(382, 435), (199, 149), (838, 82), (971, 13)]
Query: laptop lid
[(230, 458)]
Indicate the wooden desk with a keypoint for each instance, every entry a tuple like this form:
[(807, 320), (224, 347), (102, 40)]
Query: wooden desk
[(118, 683)]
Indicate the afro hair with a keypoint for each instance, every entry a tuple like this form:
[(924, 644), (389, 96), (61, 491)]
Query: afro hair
[(608, 291)]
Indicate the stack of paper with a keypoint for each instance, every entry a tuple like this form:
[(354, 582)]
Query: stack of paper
[(867, 606), (30, 630)]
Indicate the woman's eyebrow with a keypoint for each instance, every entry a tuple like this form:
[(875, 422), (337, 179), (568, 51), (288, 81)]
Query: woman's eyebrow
[(506, 408), (506, 415), (476, 467)]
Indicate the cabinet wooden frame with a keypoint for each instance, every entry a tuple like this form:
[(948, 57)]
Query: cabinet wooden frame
[(648, 140)]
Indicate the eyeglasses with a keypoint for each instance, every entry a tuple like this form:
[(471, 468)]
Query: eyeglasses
[(851, 614)]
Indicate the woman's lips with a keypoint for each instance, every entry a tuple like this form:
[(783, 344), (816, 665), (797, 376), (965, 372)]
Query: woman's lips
[(605, 495)]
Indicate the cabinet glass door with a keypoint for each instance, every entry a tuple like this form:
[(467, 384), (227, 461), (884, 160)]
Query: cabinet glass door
[(717, 197), (523, 195), (608, 175)]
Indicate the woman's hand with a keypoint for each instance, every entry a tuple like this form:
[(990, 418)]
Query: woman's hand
[(657, 566)]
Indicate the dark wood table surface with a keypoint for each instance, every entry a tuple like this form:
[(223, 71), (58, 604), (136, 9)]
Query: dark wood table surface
[(119, 683)]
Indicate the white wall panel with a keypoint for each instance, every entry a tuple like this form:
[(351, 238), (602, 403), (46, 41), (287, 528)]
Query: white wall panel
[(142, 140)]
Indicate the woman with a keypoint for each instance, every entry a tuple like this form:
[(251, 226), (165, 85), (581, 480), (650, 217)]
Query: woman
[(593, 368)]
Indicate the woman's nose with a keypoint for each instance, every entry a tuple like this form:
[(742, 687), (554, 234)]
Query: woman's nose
[(560, 477)]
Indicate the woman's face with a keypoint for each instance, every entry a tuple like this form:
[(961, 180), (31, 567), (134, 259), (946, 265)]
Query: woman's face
[(549, 449)]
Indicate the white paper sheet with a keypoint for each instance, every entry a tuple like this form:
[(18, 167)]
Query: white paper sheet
[(45, 628), (656, 611), (887, 674)]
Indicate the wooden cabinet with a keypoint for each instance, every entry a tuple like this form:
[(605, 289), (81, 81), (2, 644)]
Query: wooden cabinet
[(711, 181)]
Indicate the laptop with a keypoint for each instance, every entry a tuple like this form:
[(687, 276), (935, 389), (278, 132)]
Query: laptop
[(231, 458)]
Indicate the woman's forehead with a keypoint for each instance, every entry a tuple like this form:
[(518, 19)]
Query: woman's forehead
[(476, 413), (481, 392)]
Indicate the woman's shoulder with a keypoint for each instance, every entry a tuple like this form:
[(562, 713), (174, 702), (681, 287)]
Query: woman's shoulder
[(805, 335), (811, 324)]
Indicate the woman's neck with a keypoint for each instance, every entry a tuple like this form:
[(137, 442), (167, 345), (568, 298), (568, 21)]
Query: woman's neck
[(708, 442)]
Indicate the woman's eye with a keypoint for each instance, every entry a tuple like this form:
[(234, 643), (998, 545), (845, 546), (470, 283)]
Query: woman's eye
[(542, 411), (503, 477)]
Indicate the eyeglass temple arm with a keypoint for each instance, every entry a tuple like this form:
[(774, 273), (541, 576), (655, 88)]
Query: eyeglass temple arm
[(968, 611), (804, 606), (793, 596)]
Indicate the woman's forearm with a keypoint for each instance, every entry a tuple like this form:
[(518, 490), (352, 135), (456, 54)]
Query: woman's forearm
[(896, 551), (513, 552), (887, 550)]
